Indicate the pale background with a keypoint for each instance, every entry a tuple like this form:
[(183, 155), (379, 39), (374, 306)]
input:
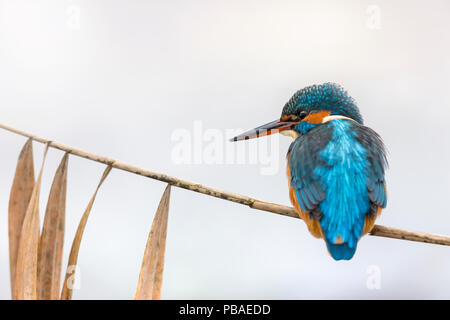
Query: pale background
[(118, 78)]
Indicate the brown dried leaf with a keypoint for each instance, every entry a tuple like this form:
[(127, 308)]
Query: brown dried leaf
[(67, 291), (52, 237), (19, 198), (26, 267), (150, 277)]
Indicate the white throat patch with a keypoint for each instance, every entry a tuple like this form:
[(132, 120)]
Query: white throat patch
[(290, 133), (330, 118)]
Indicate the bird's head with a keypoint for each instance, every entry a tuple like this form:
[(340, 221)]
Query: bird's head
[(307, 108)]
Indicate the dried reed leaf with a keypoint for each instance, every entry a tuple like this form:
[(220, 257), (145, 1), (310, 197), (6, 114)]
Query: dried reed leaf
[(27, 255), (52, 237), (67, 290), (19, 198), (150, 277)]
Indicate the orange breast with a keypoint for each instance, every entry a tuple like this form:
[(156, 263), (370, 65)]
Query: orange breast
[(316, 117)]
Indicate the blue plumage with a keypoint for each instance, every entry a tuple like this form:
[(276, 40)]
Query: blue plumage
[(304, 126), (340, 251), (326, 96), (336, 175), (344, 179), (335, 165), (336, 168)]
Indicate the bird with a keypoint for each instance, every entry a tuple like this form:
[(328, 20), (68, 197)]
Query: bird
[(335, 165)]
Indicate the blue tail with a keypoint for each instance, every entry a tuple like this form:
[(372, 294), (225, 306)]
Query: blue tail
[(341, 251)]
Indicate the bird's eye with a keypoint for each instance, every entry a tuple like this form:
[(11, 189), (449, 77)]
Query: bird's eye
[(302, 114)]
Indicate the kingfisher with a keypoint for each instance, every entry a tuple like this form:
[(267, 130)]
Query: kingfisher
[(335, 165)]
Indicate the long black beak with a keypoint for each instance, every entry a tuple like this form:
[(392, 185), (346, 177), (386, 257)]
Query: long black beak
[(265, 130)]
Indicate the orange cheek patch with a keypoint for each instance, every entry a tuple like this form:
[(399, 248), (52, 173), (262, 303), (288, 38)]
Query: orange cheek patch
[(316, 117)]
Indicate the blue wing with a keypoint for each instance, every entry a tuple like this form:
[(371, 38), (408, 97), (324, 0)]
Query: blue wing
[(303, 159), (376, 158)]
